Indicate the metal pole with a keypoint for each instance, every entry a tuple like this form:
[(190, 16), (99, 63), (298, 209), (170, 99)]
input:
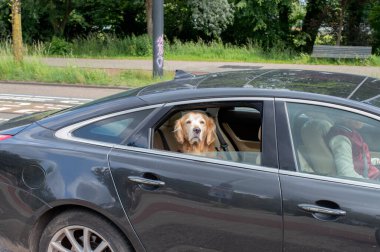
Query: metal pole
[(158, 37)]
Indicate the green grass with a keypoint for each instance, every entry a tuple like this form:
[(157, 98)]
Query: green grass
[(31, 69), (215, 51), (140, 47)]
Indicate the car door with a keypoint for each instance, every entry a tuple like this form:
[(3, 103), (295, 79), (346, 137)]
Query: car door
[(181, 202), (324, 209)]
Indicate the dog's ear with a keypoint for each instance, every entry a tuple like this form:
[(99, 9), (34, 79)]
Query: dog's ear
[(178, 131), (211, 131)]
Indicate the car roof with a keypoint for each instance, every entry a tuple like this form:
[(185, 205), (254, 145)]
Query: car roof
[(349, 86), (344, 89)]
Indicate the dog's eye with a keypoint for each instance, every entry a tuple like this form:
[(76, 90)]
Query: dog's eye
[(202, 122), (188, 122)]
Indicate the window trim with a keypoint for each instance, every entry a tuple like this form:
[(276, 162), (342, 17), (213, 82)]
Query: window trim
[(297, 173), (197, 158), (330, 105), (66, 132), (329, 179), (264, 100)]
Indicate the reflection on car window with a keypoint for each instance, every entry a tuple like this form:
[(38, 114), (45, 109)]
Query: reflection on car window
[(112, 130), (226, 133), (336, 143)]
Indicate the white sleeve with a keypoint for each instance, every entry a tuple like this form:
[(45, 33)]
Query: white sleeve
[(375, 161), (342, 151)]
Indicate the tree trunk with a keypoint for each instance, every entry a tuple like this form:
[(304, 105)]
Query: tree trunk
[(355, 14), (340, 27), (149, 22), (16, 30), (59, 21), (284, 11), (312, 22)]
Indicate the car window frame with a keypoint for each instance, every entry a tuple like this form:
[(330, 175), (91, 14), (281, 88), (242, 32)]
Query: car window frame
[(285, 153), (268, 134), (66, 132)]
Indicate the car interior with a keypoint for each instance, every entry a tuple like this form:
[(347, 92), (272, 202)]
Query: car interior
[(313, 154), (238, 131), (309, 130)]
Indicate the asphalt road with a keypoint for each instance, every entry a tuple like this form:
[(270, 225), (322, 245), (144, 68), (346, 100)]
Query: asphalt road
[(17, 99), (202, 66)]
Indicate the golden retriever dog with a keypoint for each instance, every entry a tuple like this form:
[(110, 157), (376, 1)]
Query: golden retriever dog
[(195, 131)]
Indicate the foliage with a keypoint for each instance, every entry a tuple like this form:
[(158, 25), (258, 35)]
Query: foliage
[(4, 20), (211, 17), (108, 45), (326, 39), (269, 24), (374, 19), (176, 24), (59, 46)]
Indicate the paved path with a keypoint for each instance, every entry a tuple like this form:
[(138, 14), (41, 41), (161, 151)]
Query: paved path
[(204, 66)]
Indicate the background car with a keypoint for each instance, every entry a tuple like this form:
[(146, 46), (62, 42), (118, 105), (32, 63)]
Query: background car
[(107, 175)]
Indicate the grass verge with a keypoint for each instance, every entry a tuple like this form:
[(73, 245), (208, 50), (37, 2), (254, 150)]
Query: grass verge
[(31, 69), (140, 47), (109, 46)]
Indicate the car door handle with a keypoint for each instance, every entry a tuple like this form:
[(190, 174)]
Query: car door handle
[(145, 181), (322, 210)]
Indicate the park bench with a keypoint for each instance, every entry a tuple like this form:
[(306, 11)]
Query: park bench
[(341, 52)]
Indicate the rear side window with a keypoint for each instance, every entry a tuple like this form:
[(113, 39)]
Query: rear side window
[(112, 130)]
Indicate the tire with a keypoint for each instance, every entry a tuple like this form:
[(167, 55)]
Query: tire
[(67, 232)]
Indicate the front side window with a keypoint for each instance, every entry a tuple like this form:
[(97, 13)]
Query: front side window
[(112, 130), (224, 132), (334, 142)]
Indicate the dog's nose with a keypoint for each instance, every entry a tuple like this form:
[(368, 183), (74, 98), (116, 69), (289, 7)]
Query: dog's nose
[(197, 130)]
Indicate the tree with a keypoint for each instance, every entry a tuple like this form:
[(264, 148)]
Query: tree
[(265, 23), (211, 17), (16, 30), (374, 19), (356, 22), (316, 11), (149, 18), (341, 14), (177, 23), (5, 25), (59, 14)]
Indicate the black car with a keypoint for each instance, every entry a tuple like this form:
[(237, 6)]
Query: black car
[(108, 176)]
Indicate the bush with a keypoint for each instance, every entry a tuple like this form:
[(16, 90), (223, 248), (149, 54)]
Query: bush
[(59, 46)]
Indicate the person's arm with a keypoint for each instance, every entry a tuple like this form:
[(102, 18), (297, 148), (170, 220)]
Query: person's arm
[(342, 151), (375, 161)]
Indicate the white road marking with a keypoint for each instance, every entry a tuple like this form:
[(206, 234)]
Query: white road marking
[(36, 98), (23, 104), (26, 111)]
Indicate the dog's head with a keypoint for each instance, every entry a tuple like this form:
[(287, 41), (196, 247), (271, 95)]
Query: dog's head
[(195, 128)]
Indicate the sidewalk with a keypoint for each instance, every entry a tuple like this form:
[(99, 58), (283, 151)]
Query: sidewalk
[(203, 67)]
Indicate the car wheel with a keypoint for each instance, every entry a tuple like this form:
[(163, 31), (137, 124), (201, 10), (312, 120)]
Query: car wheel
[(81, 231)]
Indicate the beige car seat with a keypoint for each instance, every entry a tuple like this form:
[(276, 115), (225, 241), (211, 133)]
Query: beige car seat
[(316, 151), (164, 138)]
